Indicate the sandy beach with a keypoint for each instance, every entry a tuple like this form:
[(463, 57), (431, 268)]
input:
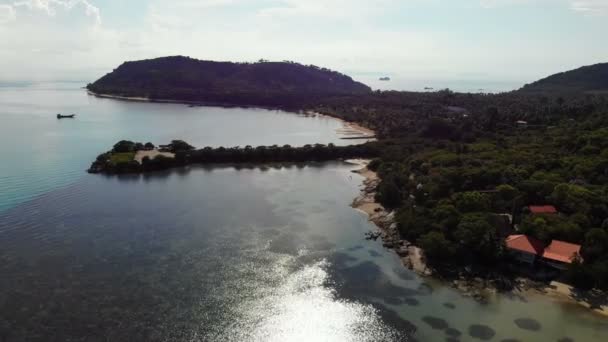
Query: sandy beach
[(594, 300), (349, 130), (116, 97), (352, 130), (139, 156)]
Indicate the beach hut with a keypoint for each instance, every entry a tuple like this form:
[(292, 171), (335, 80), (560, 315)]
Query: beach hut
[(524, 248), (542, 210), (560, 254)]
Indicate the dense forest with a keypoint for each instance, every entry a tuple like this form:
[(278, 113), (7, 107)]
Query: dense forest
[(592, 78), (285, 84), (453, 165)]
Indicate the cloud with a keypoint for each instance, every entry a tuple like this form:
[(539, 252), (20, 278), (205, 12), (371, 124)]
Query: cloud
[(59, 39), (50, 7), (7, 13), (501, 3), (326, 8), (594, 7), (589, 7)]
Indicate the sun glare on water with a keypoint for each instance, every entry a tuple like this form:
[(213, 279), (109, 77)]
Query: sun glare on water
[(305, 307)]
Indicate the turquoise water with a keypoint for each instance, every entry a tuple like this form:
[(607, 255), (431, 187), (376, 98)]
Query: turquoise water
[(268, 253)]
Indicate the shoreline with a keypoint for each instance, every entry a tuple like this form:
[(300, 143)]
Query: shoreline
[(410, 255), (349, 130), (479, 289), (184, 102)]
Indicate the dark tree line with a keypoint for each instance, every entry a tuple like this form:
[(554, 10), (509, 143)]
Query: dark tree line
[(186, 155), (450, 175), (286, 153)]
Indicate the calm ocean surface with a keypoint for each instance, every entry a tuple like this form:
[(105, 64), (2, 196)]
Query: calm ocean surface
[(211, 253)]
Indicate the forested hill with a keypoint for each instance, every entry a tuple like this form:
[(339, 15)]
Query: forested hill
[(592, 78), (262, 83)]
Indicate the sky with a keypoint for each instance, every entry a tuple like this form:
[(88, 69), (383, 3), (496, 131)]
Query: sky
[(415, 42)]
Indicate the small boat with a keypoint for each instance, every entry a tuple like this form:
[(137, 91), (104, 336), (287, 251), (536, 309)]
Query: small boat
[(71, 116)]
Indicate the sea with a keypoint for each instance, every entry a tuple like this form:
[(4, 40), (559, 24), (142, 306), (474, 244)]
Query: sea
[(217, 252)]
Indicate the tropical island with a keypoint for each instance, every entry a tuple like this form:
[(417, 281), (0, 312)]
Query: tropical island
[(182, 79), (490, 186)]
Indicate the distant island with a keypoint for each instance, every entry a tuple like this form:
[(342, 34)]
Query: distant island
[(386, 78), (264, 83), (499, 187), (592, 78)]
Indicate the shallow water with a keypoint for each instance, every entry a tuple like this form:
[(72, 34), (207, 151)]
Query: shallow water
[(225, 254)]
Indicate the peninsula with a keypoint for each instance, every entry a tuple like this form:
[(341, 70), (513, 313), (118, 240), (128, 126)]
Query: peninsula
[(462, 175)]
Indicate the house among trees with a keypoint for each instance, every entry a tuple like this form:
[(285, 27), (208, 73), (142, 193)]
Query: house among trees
[(525, 248), (542, 209), (521, 124), (528, 249), (559, 253)]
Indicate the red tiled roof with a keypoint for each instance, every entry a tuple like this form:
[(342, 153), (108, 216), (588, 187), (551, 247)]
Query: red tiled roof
[(562, 251), (542, 209), (525, 243)]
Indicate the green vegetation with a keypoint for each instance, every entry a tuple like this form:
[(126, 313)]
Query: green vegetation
[(264, 83), (592, 78), (453, 166), (451, 176), (122, 157), (186, 155)]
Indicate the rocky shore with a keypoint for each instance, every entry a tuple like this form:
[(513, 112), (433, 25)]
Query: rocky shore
[(482, 289), (411, 256)]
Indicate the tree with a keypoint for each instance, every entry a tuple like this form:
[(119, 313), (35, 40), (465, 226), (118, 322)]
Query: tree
[(595, 245), (124, 146), (477, 237), (572, 198), (180, 145), (436, 247), (600, 273), (472, 201), (389, 194), (537, 227), (579, 275), (505, 198), (491, 118), (438, 128), (447, 216)]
